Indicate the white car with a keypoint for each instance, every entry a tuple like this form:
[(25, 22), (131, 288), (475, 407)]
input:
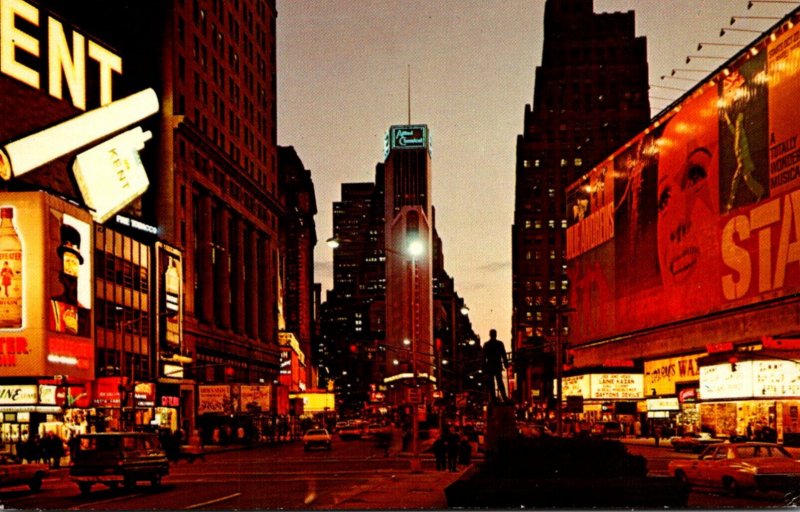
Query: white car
[(13, 472), (318, 437)]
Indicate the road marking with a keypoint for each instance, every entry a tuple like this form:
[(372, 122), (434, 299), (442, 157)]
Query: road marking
[(211, 502), (110, 500)]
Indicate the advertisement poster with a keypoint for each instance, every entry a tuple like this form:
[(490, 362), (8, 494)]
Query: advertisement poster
[(704, 204), (70, 275), (214, 399)]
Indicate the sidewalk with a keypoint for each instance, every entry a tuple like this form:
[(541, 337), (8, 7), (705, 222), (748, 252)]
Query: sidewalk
[(402, 490)]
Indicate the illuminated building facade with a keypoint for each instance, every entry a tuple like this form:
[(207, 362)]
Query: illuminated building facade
[(299, 236), (213, 202), (590, 96), (683, 260)]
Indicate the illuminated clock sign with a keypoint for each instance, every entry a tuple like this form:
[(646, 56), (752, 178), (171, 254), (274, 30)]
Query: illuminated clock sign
[(407, 137)]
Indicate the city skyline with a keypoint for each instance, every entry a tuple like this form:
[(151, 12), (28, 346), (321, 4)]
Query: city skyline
[(343, 80)]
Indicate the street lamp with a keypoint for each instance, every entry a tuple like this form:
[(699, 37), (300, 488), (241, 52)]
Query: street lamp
[(415, 249)]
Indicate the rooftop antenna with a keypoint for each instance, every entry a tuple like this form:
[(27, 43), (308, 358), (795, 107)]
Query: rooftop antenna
[(409, 93)]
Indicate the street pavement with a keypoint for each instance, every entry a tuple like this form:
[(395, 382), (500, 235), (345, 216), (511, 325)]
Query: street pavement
[(400, 489), (408, 489)]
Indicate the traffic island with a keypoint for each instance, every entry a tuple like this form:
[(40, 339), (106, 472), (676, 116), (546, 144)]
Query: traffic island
[(563, 473)]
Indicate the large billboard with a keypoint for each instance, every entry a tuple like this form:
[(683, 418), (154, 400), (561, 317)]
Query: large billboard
[(45, 287), (701, 212)]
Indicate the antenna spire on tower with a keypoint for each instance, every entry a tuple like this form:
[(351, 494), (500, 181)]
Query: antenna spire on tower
[(409, 93)]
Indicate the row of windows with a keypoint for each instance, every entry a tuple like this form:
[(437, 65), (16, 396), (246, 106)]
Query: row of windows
[(539, 285), (540, 331), (563, 162), (115, 317), (539, 224), (120, 271)]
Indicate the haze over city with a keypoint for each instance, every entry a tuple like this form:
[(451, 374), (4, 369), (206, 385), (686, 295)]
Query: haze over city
[(343, 80)]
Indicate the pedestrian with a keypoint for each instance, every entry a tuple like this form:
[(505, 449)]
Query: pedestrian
[(440, 452), (657, 434), (637, 429), (464, 452), (22, 451), (750, 431), (452, 442), (55, 449), (73, 443), (33, 448)]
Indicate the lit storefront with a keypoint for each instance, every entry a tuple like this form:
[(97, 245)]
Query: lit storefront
[(671, 384), (756, 389), (605, 395)]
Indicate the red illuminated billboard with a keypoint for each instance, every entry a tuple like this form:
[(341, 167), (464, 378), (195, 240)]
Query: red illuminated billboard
[(698, 214)]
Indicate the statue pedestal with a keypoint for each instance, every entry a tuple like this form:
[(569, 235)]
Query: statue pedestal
[(501, 423)]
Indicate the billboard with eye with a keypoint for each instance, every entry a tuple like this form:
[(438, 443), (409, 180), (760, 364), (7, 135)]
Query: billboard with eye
[(700, 213)]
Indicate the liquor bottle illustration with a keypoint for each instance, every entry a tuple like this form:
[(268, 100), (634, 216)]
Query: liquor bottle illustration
[(10, 271)]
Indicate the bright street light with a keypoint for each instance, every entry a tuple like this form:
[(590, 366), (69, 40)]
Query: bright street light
[(416, 248)]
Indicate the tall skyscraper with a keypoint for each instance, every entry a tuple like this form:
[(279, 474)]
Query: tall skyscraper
[(409, 249), (590, 97)]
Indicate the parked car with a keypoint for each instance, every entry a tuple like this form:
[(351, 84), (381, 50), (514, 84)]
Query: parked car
[(607, 429), (317, 437), (14, 472), (693, 442), (375, 430), (533, 429), (114, 458), (351, 431), (740, 466)]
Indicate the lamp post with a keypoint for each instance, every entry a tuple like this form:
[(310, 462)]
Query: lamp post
[(415, 249)]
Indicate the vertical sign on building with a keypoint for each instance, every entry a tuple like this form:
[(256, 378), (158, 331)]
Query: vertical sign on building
[(169, 290)]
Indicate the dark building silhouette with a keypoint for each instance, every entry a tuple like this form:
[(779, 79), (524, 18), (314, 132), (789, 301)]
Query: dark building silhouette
[(590, 97), (298, 238)]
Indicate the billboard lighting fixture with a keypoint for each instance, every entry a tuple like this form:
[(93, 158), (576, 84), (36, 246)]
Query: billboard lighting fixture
[(700, 45), (723, 31), (753, 2), (690, 57), (734, 18), (690, 70)]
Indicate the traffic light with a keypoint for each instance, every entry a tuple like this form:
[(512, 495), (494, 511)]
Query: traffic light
[(733, 360), (353, 348)]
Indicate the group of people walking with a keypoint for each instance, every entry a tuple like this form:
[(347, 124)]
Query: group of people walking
[(48, 449), (451, 450)]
